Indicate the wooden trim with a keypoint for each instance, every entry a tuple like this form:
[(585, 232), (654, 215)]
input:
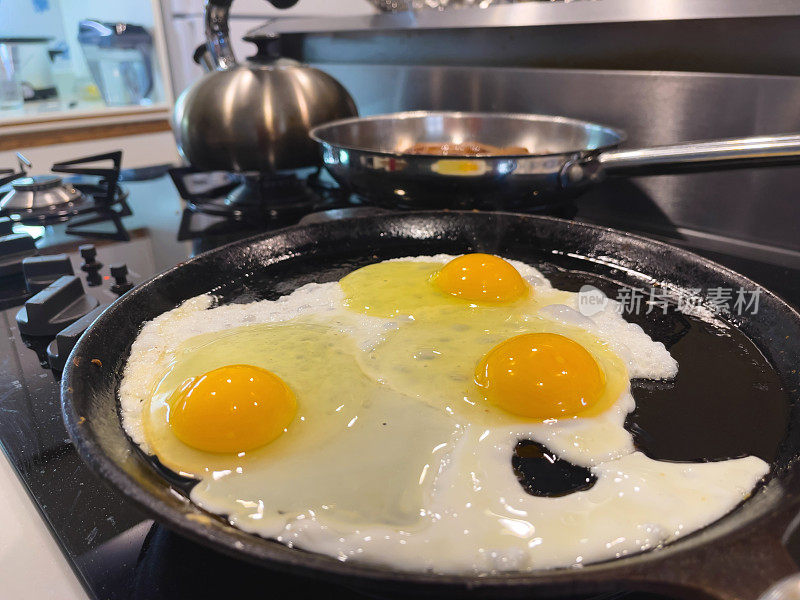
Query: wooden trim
[(89, 116), (30, 139)]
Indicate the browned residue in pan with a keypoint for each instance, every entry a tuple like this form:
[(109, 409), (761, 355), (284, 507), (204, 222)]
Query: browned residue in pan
[(463, 149)]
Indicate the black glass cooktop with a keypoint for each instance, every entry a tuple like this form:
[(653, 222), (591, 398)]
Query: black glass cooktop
[(115, 550)]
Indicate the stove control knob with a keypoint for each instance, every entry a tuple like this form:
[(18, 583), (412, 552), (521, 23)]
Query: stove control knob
[(41, 271), (59, 348), (57, 306), (93, 278), (91, 265), (88, 254), (120, 274), (13, 249)]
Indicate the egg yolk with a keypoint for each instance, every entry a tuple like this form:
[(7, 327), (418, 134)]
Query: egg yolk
[(541, 376), (235, 408), (481, 278)]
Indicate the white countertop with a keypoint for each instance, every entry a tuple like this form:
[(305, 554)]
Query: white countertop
[(32, 566)]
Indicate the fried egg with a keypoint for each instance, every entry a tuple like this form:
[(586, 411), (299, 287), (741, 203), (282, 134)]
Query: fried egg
[(374, 419)]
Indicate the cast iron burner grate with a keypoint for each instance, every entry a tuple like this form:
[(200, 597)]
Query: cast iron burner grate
[(89, 196), (252, 201)]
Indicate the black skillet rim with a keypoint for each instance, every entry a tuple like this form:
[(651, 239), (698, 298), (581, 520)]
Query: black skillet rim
[(271, 554)]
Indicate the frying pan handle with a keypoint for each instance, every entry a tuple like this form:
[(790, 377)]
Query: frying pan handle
[(712, 155), (704, 156)]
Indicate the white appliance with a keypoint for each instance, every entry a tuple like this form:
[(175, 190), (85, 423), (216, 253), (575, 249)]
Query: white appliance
[(120, 59), (185, 30)]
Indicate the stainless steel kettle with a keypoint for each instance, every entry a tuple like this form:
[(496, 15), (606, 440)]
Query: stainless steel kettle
[(256, 115)]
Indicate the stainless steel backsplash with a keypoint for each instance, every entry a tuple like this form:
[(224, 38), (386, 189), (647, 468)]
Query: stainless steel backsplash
[(756, 210)]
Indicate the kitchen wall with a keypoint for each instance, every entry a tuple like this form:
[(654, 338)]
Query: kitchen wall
[(754, 210)]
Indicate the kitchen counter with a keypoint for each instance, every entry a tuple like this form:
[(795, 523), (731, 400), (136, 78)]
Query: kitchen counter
[(31, 564)]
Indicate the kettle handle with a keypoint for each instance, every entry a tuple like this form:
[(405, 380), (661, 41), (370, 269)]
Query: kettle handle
[(218, 34)]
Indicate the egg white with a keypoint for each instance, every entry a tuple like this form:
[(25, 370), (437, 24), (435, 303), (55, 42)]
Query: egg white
[(473, 516)]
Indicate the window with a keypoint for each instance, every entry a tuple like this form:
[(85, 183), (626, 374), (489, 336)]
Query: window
[(66, 58)]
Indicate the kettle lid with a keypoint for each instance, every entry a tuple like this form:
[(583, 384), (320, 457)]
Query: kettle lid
[(269, 49)]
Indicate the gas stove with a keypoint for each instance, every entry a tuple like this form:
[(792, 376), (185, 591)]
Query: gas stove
[(220, 202), (116, 551), (91, 192)]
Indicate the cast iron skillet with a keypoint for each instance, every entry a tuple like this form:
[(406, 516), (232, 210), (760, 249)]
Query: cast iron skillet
[(737, 557)]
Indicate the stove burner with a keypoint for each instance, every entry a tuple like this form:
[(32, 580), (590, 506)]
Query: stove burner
[(225, 203), (264, 198), (40, 193), (50, 199), (44, 183)]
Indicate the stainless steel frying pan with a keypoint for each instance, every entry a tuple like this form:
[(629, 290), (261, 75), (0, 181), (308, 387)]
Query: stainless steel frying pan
[(368, 156)]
